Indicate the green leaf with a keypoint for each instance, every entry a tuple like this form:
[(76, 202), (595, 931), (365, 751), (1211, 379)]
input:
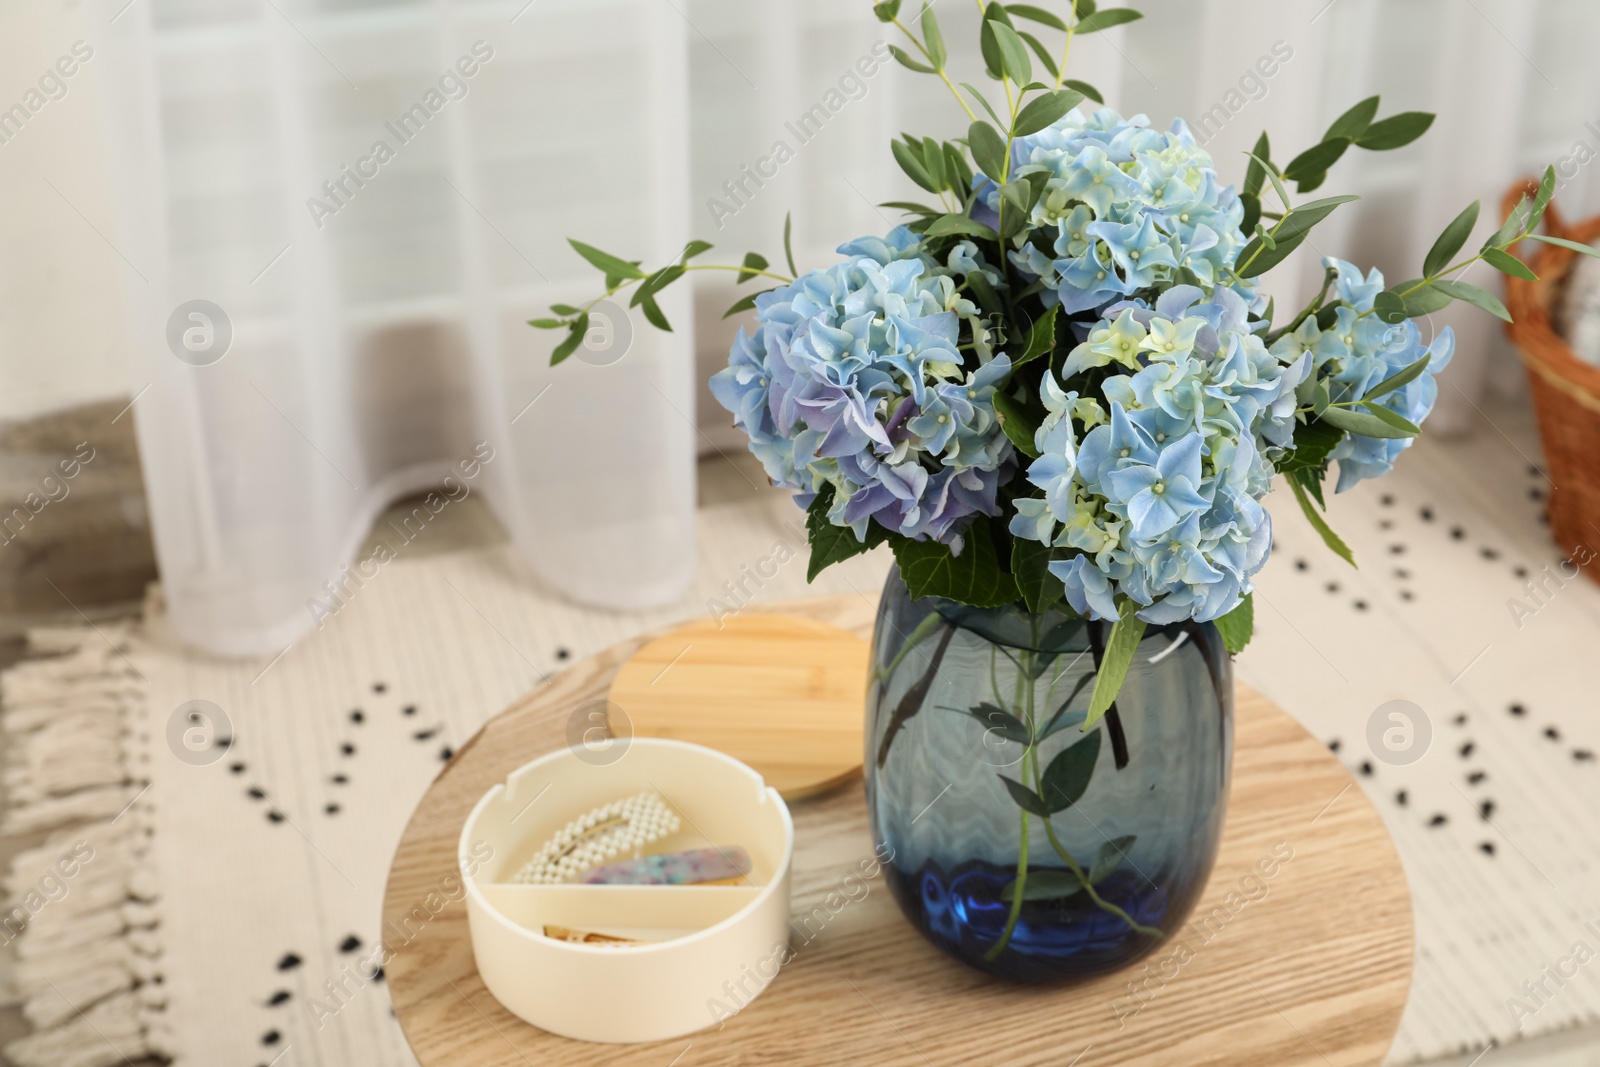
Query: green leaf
[(1041, 338), (974, 577), (1331, 539), (1041, 111), (1106, 18), (1450, 241), (1257, 258), (694, 248), (1396, 131), (547, 324), (1086, 89), (574, 338), (996, 720), (1237, 625), (933, 160), (1359, 422), (1262, 254), (1399, 380), (1315, 161), (655, 283), (905, 60), (1252, 214), (1043, 884), (946, 225), (652, 312), (1255, 175), (1017, 423), (979, 97), (911, 163), (1030, 563), (1045, 58), (988, 149), (989, 45), (955, 167), (1313, 442), (746, 304), (1013, 53), (1355, 122), (1110, 856), (1562, 242), (565, 309), (912, 208), (932, 39), (1271, 172), (753, 261), (609, 264), (1311, 481), (1511, 230), (1471, 294), (1067, 777), (1393, 418), (1421, 297), (1037, 14), (829, 543), (788, 245), (1064, 716), (1025, 798), (1390, 308), (1506, 263), (886, 11), (1547, 190), (1126, 633)]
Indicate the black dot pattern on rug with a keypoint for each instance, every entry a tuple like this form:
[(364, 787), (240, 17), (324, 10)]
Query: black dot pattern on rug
[(1366, 768), (1520, 572), (1387, 500), (1426, 514), (357, 717), (236, 768), (426, 735), (1402, 798), (1489, 553), (350, 943), (274, 816), (289, 962), (1402, 573), (1361, 605), (1385, 524), (1438, 820), (1477, 777), (562, 653), (1486, 810), (1487, 847), (379, 687), (348, 749), (445, 753), (340, 779), (1467, 750), (1460, 719), (1301, 565), (1518, 710), (1406, 594), (409, 709), (1333, 746), (1457, 534), (377, 976), (1397, 549), (277, 998), (255, 793), (331, 809), (1552, 733), (271, 1037), (1332, 587), (1583, 755)]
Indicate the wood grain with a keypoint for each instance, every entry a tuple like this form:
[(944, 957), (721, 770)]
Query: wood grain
[(779, 692), (1307, 968)]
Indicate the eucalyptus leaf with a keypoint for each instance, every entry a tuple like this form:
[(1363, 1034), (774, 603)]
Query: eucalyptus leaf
[(1106, 18), (945, 225), (932, 39), (996, 720), (1043, 885), (788, 243), (1450, 241), (1562, 242), (1037, 14), (1315, 161), (1390, 308), (573, 339), (1110, 857), (753, 261), (911, 163), (1025, 798), (1365, 425), (1013, 53), (1471, 294), (1508, 264), (988, 149), (1126, 633), (1086, 89), (612, 266), (1400, 379), (1396, 131), (1255, 175), (905, 59), (1066, 779), (886, 11), (1041, 111), (1355, 122)]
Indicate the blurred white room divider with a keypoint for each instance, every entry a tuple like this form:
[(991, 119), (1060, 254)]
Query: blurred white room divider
[(340, 215)]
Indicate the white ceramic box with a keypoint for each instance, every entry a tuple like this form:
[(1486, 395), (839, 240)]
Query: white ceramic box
[(700, 941)]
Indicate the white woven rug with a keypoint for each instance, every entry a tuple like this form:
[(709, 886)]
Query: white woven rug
[(220, 926)]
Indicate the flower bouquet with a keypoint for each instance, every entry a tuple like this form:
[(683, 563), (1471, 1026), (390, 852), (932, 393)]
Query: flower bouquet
[(1058, 387)]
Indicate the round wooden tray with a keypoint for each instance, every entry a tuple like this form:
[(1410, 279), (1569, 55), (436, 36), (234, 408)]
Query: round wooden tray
[(1307, 968)]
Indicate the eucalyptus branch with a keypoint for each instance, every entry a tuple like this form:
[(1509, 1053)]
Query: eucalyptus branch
[(1072, 28), (938, 68)]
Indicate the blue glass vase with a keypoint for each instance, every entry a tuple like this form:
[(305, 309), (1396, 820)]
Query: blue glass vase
[(1017, 841)]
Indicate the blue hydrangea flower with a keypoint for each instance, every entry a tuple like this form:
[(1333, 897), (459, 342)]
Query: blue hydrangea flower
[(1357, 352), (853, 379), (1162, 499), (1125, 208)]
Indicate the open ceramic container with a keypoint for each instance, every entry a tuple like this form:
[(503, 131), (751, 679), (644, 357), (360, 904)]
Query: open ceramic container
[(703, 940)]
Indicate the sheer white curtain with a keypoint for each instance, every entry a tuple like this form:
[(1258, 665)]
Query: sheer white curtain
[(1514, 83), (373, 197)]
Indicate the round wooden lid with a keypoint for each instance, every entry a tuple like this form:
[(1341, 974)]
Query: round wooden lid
[(783, 694)]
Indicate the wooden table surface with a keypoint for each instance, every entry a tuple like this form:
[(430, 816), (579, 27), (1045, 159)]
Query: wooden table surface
[(1310, 966)]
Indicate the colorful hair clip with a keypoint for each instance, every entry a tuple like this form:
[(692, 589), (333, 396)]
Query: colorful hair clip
[(619, 828), (693, 867)]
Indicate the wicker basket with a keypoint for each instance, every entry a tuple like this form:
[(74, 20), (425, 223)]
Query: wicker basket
[(1566, 390)]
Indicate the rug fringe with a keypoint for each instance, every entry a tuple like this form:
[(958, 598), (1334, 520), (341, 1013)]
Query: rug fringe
[(81, 909)]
